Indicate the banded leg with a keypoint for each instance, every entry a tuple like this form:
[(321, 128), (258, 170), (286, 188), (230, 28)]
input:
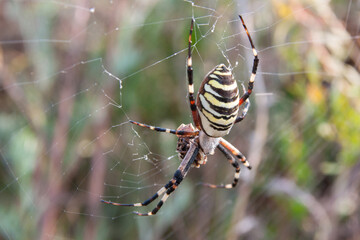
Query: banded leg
[(234, 163), (254, 67), (147, 201), (245, 109), (235, 152), (167, 130), (179, 175), (193, 108)]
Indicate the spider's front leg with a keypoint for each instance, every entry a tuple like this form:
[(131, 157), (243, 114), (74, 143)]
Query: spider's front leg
[(181, 131), (193, 108), (179, 175), (246, 95)]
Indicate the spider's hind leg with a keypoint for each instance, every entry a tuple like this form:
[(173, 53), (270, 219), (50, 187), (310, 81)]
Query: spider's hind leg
[(235, 152), (234, 163)]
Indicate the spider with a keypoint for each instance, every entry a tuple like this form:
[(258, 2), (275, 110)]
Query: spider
[(214, 113)]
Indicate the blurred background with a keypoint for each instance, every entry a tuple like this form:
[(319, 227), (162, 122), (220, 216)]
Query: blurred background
[(72, 73)]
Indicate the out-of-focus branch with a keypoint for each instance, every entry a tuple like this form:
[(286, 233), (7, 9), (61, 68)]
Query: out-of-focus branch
[(316, 209), (59, 142), (31, 112), (333, 51), (17, 95), (96, 183), (334, 54)]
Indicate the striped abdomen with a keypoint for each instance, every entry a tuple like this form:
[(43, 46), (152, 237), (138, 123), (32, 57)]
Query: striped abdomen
[(218, 102)]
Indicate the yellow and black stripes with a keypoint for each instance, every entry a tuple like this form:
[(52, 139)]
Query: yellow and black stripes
[(218, 102), (167, 130)]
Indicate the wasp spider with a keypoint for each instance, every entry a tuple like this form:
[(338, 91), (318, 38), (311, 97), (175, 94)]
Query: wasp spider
[(214, 113)]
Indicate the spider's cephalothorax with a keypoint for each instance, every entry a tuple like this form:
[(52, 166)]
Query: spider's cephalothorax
[(214, 114), (183, 145)]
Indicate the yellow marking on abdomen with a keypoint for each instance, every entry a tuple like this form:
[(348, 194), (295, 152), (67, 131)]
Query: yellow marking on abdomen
[(209, 129), (220, 121), (213, 76), (205, 104), (222, 73), (218, 85), (210, 98), (209, 89)]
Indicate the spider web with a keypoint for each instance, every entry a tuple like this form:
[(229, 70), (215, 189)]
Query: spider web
[(73, 73)]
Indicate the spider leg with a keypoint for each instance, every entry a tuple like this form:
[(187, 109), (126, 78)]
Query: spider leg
[(234, 163), (235, 152), (254, 67), (174, 184), (167, 130), (244, 111), (170, 187), (144, 203), (193, 108)]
